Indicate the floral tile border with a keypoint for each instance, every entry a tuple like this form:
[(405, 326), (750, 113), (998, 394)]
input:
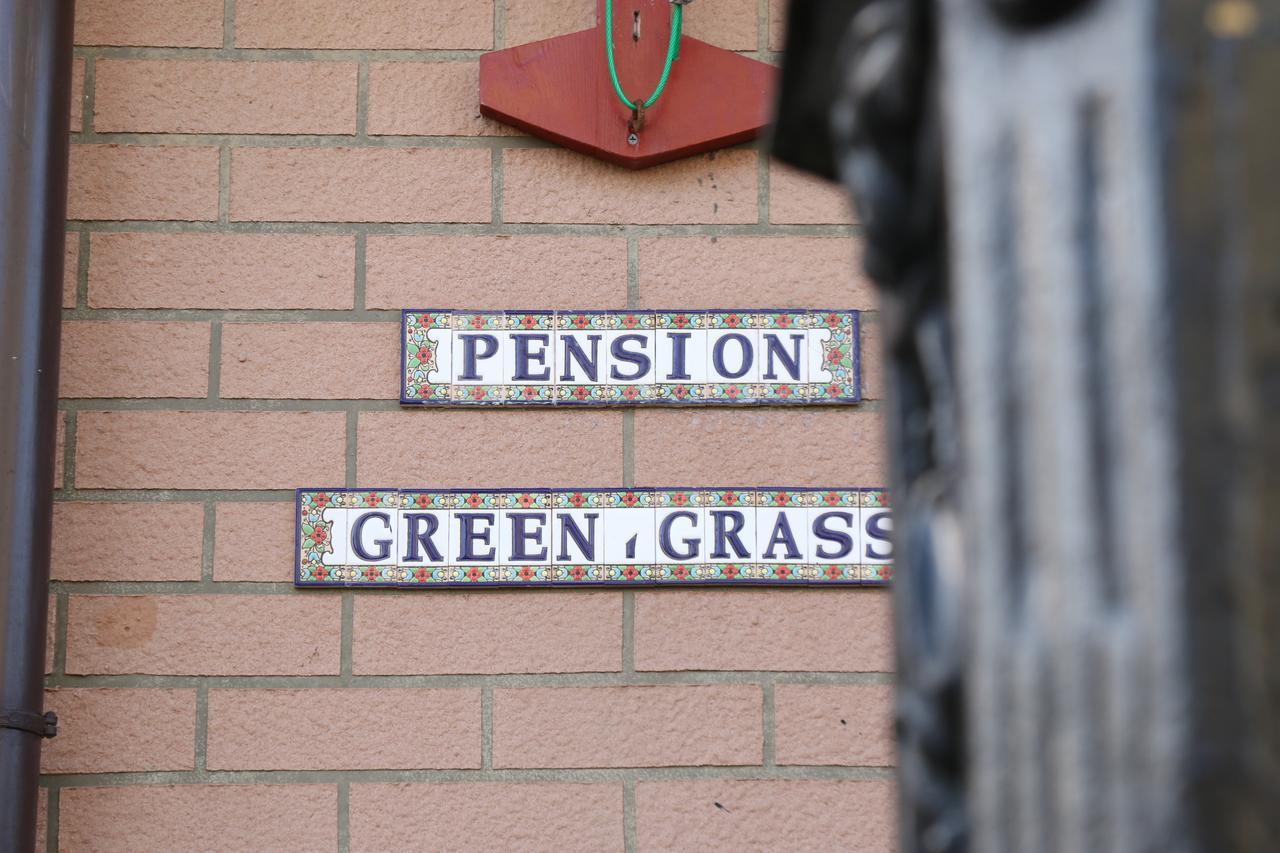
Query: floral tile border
[(325, 540), (429, 353)]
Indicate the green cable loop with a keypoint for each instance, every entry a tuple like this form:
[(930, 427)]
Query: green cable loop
[(673, 51)]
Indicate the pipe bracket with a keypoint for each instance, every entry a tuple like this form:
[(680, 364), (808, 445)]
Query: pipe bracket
[(42, 725)]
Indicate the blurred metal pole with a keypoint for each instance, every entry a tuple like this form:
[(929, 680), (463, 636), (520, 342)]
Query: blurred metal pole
[(35, 87), (1073, 210)]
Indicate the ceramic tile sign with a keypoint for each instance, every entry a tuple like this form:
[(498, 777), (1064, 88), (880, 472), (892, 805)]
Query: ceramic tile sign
[(435, 539), (594, 358)]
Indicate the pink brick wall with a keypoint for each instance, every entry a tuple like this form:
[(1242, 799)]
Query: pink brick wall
[(257, 188)]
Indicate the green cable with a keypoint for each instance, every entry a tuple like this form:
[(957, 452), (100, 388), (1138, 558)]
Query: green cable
[(673, 50)]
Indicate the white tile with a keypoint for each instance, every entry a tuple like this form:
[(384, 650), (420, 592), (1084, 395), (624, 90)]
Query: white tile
[(439, 537), (629, 536), (727, 529), (489, 348), (533, 527), (694, 350), (686, 535), (577, 352), (338, 536), (534, 351), (834, 535), (877, 523), (631, 357), (779, 348), (476, 530), (787, 528), (373, 532), (443, 372), (732, 355), (568, 526), (818, 372)]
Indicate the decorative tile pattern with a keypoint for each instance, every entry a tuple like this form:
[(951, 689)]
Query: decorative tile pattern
[(584, 537), (593, 358)]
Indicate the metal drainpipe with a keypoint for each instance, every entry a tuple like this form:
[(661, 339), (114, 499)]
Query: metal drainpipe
[(35, 92)]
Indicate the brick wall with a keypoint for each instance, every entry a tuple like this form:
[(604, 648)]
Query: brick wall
[(257, 188)]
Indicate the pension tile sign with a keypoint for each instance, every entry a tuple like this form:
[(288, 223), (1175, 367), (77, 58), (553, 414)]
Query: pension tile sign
[(592, 358), (436, 538)]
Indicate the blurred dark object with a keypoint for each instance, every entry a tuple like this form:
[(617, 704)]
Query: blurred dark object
[(1073, 214), (35, 98)]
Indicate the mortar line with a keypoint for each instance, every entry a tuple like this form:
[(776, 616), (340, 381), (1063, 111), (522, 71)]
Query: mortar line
[(762, 186), (360, 299), (278, 53), (348, 635), (674, 678), (60, 608), (499, 24), (349, 776), (202, 730), (352, 438), (214, 390), (228, 26), (486, 727), (486, 228), (629, 815), (90, 95), (52, 814), (69, 452), (344, 816), (224, 183), (362, 100), (208, 545), (762, 28), (768, 716), (82, 270), (497, 188)]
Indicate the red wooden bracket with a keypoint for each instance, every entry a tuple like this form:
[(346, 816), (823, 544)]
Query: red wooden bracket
[(559, 89)]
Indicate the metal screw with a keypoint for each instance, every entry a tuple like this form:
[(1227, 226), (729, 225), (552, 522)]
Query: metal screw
[(632, 139)]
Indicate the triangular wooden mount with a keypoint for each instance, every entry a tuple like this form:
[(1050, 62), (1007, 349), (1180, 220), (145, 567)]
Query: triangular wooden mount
[(559, 89)]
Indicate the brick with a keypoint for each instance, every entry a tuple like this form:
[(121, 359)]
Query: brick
[(216, 818), (777, 24), (203, 635), (577, 632), (725, 23), (244, 271), (753, 272), (120, 730), (799, 198), (854, 816), (143, 182), (487, 449), (520, 272), (70, 269), (428, 99), (253, 542), (555, 185), (162, 23), (846, 724), (77, 94), (846, 630), (224, 96), (344, 729), (134, 358), (209, 450), (261, 360), (534, 20), (772, 447), (643, 726), (361, 184), (546, 816), (60, 452), (112, 541), (380, 24)]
